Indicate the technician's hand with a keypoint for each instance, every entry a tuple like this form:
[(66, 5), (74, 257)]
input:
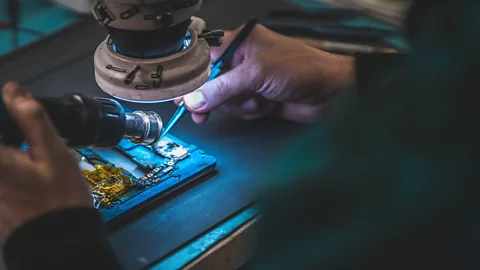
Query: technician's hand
[(273, 74), (42, 180)]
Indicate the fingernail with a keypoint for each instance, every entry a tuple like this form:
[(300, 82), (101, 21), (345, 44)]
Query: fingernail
[(10, 85), (195, 100), (250, 105), (14, 90)]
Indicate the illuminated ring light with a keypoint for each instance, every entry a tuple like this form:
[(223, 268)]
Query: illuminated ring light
[(155, 79)]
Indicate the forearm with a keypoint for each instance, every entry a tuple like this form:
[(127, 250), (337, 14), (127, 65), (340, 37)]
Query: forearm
[(69, 239)]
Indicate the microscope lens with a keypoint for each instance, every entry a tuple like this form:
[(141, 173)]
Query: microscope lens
[(155, 43)]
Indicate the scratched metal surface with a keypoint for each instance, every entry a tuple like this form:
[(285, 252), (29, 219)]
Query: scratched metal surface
[(242, 149)]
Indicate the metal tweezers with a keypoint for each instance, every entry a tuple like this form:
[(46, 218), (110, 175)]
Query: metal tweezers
[(216, 70)]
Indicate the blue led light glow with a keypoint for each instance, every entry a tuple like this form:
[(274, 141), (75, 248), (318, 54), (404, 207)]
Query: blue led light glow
[(155, 54), (24, 147)]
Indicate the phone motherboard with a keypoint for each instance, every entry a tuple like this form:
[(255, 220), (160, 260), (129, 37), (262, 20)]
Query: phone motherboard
[(131, 176)]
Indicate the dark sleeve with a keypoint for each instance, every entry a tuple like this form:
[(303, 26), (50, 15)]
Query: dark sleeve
[(68, 239), (371, 68)]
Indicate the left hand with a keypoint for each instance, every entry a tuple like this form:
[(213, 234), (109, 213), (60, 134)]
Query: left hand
[(44, 179)]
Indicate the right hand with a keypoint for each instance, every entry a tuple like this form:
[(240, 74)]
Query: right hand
[(44, 179), (272, 74)]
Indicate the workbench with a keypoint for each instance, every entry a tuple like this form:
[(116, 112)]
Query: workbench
[(215, 215)]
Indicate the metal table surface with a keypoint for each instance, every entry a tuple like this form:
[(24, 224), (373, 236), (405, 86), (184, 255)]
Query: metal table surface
[(243, 149)]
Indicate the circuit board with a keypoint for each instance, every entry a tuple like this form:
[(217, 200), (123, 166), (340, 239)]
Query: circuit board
[(124, 179)]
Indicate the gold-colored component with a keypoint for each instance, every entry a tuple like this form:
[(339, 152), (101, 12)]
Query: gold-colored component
[(107, 183), (171, 163)]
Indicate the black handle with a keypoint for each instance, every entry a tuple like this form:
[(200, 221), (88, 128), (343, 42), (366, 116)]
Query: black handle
[(82, 120)]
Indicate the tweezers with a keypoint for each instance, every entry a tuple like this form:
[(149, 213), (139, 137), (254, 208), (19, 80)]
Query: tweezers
[(216, 70)]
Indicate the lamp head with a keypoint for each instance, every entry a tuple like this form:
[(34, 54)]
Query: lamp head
[(154, 50)]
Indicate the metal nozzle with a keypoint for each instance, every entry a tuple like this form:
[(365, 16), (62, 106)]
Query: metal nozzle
[(143, 127)]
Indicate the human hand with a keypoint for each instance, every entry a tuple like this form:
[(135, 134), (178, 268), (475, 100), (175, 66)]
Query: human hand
[(272, 74), (43, 179)]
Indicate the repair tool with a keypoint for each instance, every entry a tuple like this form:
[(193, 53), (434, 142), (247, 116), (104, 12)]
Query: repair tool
[(86, 121), (216, 69)]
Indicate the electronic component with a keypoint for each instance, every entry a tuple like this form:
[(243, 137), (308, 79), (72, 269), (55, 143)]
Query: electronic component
[(108, 184), (78, 157), (131, 175), (169, 149), (83, 164), (144, 156)]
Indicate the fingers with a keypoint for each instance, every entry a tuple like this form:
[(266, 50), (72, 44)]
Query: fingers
[(8, 157), (300, 112), (250, 108), (177, 101), (242, 79), (32, 121), (13, 162), (200, 118)]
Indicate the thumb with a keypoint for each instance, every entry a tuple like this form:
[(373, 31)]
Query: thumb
[(214, 93)]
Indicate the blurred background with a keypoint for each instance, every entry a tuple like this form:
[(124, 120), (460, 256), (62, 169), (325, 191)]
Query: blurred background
[(40, 18), (36, 19)]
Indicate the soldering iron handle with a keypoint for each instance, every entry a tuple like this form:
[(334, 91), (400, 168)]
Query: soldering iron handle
[(82, 121)]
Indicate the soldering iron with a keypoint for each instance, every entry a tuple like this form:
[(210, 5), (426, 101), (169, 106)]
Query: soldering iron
[(155, 51), (84, 121)]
